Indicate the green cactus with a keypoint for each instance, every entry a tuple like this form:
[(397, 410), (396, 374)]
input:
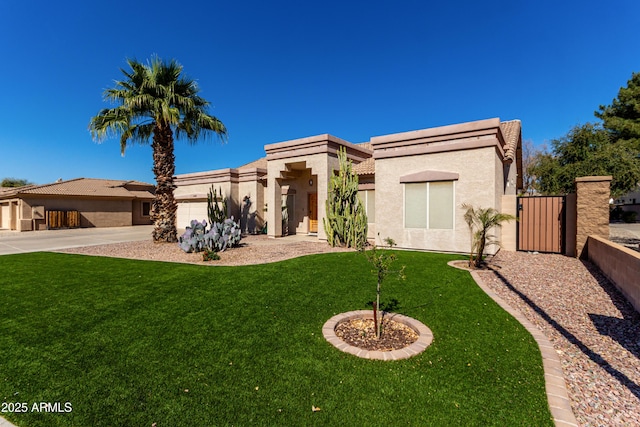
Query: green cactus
[(216, 213), (346, 221)]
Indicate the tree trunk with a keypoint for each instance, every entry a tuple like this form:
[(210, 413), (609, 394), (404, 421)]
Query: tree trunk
[(481, 245), (163, 212)]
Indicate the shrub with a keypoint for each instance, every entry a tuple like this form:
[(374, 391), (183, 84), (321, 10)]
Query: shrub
[(208, 255), (629, 216)]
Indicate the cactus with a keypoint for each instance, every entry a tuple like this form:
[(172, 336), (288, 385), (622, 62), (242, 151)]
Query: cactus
[(221, 236), (346, 221), (193, 238), (215, 212)]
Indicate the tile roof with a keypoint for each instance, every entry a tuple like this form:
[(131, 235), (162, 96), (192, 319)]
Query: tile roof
[(368, 166), (261, 163), (511, 131), (91, 187)]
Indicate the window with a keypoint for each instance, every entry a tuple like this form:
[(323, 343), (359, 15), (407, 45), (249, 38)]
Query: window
[(429, 205), (146, 208), (368, 199)]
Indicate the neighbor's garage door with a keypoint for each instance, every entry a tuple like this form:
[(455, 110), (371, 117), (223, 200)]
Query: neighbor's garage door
[(191, 210), (5, 214)]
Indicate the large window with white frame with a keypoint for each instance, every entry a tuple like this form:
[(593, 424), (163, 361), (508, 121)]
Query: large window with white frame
[(429, 205), (368, 199)]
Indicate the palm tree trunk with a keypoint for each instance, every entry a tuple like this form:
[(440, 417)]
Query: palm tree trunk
[(164, 207), (481, 245)]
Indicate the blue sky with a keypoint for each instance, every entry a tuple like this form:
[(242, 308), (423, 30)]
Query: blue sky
[(280, 70)]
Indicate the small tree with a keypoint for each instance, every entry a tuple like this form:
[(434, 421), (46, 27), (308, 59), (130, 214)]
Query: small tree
[(381, 262), (346, 220), (480, 222)]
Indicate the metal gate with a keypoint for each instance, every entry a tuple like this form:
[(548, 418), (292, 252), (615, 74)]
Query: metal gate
[(541, 224)]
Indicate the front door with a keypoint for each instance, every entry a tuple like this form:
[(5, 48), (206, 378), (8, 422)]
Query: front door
[(313, 212)]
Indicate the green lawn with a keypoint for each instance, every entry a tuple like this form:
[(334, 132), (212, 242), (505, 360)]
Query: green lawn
[(131, 343)]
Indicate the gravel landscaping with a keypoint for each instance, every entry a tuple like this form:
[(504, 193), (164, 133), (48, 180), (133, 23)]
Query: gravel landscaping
[(595, 331), (253, 249)]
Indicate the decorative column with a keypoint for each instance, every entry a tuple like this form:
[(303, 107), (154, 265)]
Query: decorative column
[(592, 209)]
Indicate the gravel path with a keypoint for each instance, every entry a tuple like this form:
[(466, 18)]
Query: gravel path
[(595, 331)]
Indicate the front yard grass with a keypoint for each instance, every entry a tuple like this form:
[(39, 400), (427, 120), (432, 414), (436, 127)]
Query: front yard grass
[(132, 343)]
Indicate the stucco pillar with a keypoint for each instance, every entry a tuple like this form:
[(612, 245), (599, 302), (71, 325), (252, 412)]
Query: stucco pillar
[(592, 209), (274, 207), (508, 230)]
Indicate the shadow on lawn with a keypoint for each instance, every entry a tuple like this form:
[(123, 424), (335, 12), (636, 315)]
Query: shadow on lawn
[(596, 357)]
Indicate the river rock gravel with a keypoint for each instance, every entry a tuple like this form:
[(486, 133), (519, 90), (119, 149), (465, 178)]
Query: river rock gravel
[(593, 328)]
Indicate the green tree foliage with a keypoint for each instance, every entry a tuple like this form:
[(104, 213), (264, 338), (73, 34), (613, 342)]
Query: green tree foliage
[(14, 182), (346, 220), (611, 148), (156, 101), (381, 262), (622, 117), (586, 150), (480, 222)]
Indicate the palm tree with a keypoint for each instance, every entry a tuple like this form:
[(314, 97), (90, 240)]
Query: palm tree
[(480, 222), (157, 101)]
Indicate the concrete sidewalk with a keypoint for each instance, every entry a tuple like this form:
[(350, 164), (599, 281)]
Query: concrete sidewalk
[(13, 242)]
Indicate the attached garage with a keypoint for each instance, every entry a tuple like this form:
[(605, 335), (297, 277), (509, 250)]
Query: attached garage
[(189, 210)]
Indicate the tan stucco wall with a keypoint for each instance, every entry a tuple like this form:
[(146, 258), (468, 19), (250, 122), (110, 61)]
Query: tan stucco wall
[(252, 216), (476, 186), (136, 213), (509, 229)]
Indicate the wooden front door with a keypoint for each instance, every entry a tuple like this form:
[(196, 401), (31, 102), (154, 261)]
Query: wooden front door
[(313, 212)]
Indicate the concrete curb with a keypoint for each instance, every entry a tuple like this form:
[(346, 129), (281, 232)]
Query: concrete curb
[(557, 396)]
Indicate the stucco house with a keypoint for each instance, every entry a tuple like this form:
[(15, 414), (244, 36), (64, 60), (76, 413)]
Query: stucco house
[(412, 184), (95, 202)]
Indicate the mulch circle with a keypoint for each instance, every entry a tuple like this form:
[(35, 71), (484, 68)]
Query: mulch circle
[(361, 333)]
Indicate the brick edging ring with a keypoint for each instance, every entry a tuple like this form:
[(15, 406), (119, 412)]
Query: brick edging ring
[(425, 336)]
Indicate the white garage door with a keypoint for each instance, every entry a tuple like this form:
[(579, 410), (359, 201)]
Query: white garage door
[(191, 210), (6, 216)]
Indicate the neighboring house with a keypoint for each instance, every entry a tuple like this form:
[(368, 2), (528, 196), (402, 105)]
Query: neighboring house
[(412, 184), (95, 203), (630, 202)]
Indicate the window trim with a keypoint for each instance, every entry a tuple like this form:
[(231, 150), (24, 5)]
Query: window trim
[(142, 209)]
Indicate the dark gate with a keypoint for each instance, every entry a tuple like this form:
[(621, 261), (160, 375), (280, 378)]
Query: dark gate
[(541, 224)]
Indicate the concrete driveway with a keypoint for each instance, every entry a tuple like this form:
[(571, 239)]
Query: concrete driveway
[(13, 242)]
